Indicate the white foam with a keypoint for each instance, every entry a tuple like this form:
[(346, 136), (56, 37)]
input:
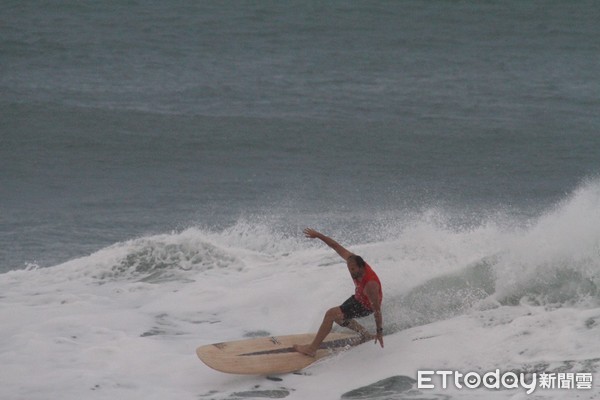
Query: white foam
[(116, 325)]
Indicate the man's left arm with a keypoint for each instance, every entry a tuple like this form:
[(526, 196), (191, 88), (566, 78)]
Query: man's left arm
[(372, 292)]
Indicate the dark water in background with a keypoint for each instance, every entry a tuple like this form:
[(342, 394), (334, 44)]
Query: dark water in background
[(120, 119)]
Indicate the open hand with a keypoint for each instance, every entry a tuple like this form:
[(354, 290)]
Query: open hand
[(311, 233), (379, 338)]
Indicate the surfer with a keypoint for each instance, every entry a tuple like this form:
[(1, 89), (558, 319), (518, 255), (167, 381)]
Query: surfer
[(365, 301)]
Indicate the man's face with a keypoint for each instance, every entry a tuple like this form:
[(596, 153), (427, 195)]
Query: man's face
[(355, 271)]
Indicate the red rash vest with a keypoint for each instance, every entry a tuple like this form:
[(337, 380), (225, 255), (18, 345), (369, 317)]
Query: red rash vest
[(360, 294)]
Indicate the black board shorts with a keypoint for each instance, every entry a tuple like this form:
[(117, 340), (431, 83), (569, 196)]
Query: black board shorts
[(352, 308)]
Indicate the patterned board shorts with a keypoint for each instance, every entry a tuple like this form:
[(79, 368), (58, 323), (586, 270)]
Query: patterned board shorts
[(352, 308)]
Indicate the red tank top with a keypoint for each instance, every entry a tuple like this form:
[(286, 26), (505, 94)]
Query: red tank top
[(360, 294)]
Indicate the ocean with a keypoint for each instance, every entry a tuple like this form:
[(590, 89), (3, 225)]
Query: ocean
[(159, 161)]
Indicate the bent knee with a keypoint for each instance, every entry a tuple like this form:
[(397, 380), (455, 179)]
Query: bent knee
[(335, 314)]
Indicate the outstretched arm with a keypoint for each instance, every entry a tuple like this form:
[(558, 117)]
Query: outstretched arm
[(343, 252)]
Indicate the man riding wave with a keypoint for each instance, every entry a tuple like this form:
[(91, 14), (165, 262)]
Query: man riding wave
[(365, 301)]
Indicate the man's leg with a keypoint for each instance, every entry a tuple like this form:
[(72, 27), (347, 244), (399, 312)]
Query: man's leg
[(356, 327), (332, 315), (351, 309)]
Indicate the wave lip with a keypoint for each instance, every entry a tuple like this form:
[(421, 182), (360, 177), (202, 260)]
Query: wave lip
[(557, 258), (169, 257)]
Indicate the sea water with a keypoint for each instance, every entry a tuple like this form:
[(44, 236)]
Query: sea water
[(159, 160)]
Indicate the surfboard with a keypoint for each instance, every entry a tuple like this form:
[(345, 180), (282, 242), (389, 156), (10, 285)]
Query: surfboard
[(271, 354)]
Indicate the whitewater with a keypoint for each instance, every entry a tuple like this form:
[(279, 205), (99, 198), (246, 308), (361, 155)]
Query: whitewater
[(511, 294)]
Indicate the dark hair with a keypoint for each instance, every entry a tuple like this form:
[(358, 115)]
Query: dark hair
[(358, 260)]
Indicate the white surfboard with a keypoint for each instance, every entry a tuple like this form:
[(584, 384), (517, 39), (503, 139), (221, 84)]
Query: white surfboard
[(271, 354)]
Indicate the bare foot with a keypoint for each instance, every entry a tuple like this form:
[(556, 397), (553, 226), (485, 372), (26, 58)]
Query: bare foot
[(305, 349)]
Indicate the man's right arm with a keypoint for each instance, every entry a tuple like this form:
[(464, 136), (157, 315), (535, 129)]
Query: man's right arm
[(343, 252)]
